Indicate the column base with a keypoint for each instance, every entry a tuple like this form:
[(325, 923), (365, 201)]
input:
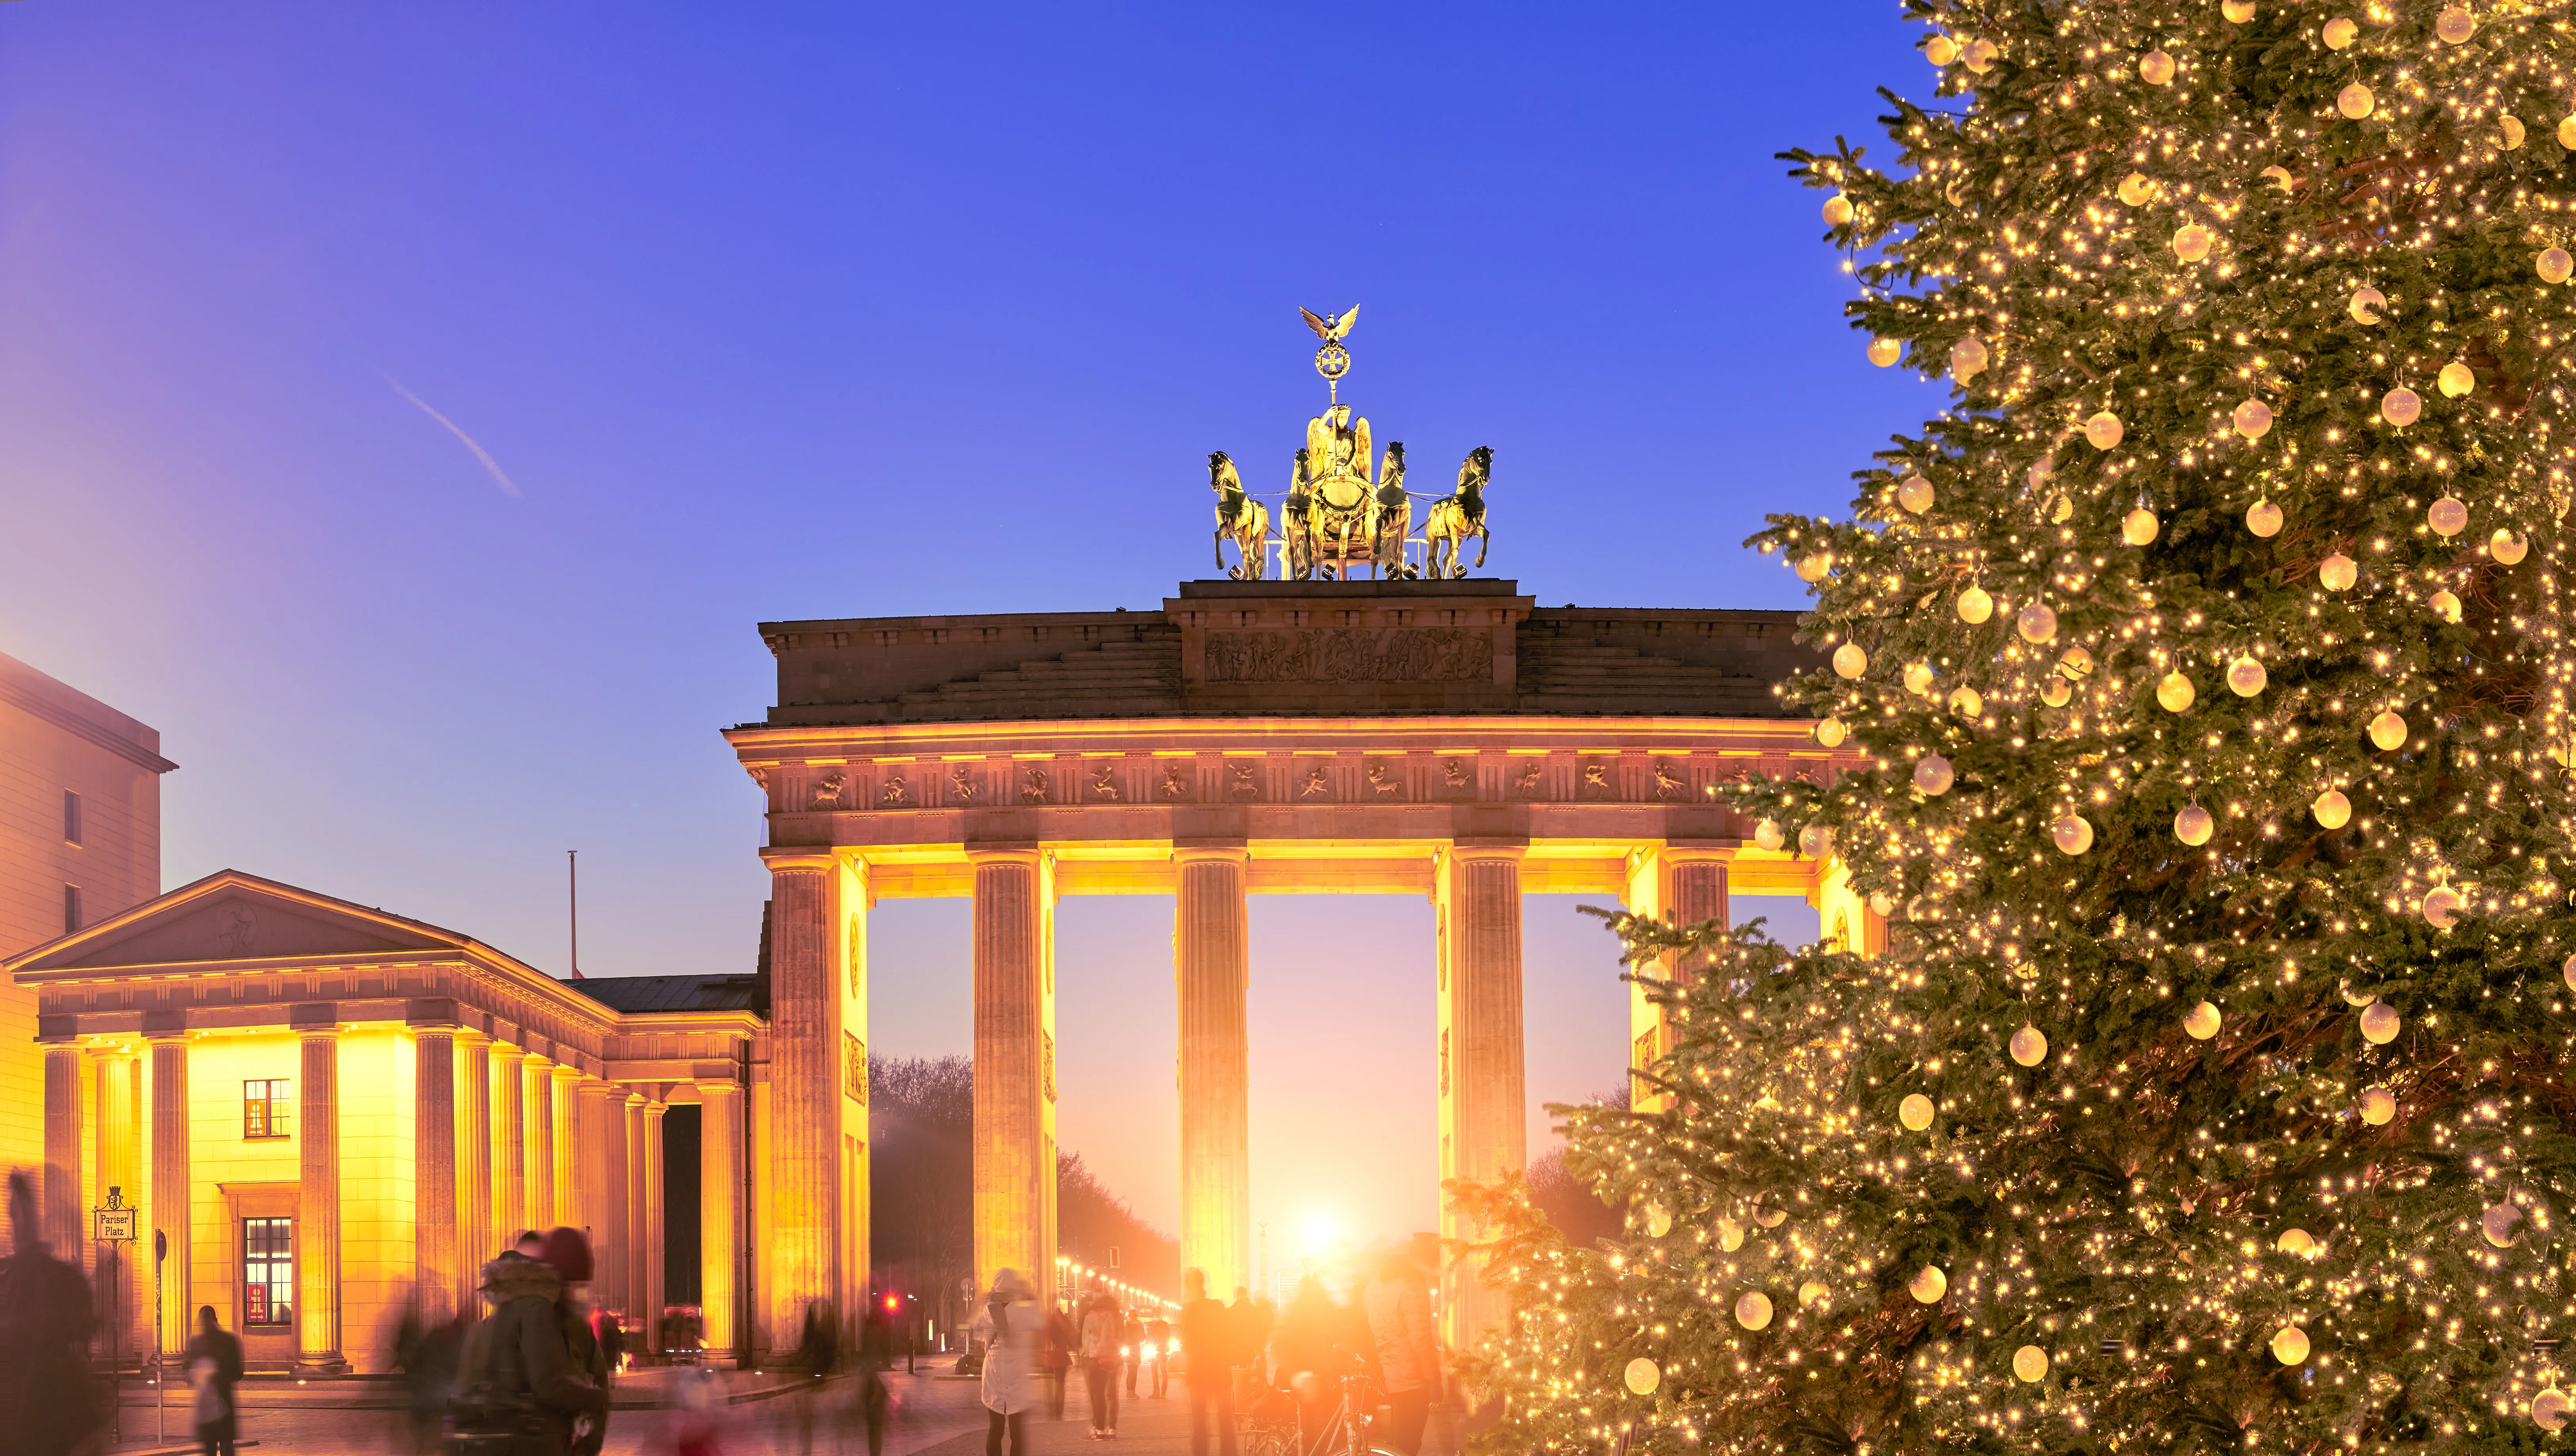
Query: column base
[(328, 1364)]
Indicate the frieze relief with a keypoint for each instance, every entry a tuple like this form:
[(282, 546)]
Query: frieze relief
[(1392, 654)]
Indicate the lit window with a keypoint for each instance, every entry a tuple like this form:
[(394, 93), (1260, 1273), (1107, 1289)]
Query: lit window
[(266, 1107), (268, 1271), (71, 817), (71, 909)]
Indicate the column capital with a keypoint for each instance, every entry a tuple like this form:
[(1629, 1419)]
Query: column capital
[(1483, 849), (1008, 851), (799, 861), (504, 1050), (726, 1087), (1185, 851)]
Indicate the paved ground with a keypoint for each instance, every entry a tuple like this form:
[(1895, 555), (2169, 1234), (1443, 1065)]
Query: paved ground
[(933, 1416)]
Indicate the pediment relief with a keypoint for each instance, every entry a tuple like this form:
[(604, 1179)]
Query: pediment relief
[(239, 921)]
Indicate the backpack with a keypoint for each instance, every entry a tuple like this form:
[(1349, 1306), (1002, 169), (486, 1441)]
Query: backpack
[(495, 1414)]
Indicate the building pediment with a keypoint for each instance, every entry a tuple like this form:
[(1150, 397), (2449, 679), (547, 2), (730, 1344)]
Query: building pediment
[(237, 917)]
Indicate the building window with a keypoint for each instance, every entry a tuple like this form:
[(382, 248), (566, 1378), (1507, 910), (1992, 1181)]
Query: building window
[(854, 1077), (268, 1272), (266, 1107), (71, 817), (71, 909)]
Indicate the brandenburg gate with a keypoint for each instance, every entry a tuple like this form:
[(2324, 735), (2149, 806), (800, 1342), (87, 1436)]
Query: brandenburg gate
[(1443, 737)]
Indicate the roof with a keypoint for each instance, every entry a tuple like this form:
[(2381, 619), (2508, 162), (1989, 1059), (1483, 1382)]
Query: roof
[(715, 992)]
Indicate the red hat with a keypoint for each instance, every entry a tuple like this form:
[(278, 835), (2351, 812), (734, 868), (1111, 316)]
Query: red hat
[(568, 1254)]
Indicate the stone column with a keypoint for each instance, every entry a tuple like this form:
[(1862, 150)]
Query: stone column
[(655, 1255), (568, 1202), (317, 1204), (1212, 944), (120, 1165), (810, 903), (509, 1145), (1014, 1065), (541, 1144), (1482, 1115), (171, 1189), (1683, 884), (617, 1231), (62, 1182), (433, 1171), (720, 1213), (474, 1220)]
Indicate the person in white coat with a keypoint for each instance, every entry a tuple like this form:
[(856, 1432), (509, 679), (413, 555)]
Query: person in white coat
[(1010, 1327)]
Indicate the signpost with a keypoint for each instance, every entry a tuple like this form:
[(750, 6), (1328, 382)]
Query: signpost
[(160, 1407), (114, 1225)]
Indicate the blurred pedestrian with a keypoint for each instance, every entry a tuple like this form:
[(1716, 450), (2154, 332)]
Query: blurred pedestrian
[(1398, 1303), (818, 1349), (1131, 1345), (1207, 1344), (1103, 1330), (429, 1355), (48, 1405), (695, 1425), (213, 1362), (1009, 1328), (1158, 1338), (523, 1388), (876, 1357), (1063, 1337), (1310, 1357), (567, 1252), (1258, 1328)]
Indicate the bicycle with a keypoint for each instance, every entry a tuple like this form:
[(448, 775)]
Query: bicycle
[(1344, 1432)]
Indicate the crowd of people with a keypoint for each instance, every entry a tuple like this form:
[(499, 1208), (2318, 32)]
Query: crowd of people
[(1233, 1356)]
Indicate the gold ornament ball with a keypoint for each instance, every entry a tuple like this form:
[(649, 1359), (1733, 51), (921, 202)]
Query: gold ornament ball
[(1932, 774), (2400, 406), (2103, 430), (1659, 1221), (1978, 55), (2156, 68), (2041, 472), (2506, 547), (2441, 908), (2366, 304), (2253, 419), (2201, 1022), (2554, 263), (2191, 242), (2139, 527), (2175, 692), (2056, 692), (1975, 606), (2453, 26), (1928, 1286), (1814, 1294), (2446, 606), (1766, 835), (1915, 494), (1915, 1112), (2290, 1346), (2567, 131), (2279, 176), (2447, 516), (2340, 32), (1768, 1213), (2137, 189), (2378, 1106), (1883, 352), (2245, 677), (2029, 1047), (2263, 519), (1940, 50), (2295, 1241), (1967, 359), (2337, 573), (1753, 1311), (1838, 210), (1643, 1376), (2513, 130), (2502, 1224), (1815, 566), (2387, 731), (2237, 11), (2332, 809), (1851, 660), (2568, 972), (2193, 825), (2075, 663), (2355, 101), (1830, 733), (2037, 623), (2455, 380), (1815, 841), (2379, 1023), (2030, 1364), (1730, 1234), (1967, 702), (1917, 677), (2549, 1410)]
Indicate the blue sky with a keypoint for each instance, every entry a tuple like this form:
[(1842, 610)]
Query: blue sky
[(758, 312)]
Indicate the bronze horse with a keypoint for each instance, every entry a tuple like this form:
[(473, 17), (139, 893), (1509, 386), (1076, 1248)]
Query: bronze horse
[(1450, 522), (1240, 518)]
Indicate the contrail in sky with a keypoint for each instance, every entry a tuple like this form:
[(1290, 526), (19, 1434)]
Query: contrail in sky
[(489, 464)]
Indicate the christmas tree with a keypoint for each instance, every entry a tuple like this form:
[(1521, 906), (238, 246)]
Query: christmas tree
[(2206, 666)]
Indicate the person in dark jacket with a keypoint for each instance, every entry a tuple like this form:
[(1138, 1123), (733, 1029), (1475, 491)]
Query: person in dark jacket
[(1312, 1357), (567, 1252), (876, 1357), (428, 1354), (218, 1411), (1207, 1350), (518, 1366), (48, 1405)]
